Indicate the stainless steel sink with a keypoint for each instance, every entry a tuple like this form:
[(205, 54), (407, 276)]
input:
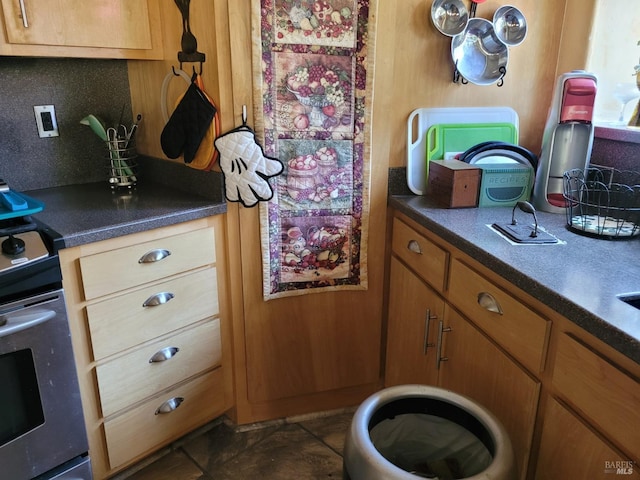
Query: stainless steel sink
[(632, 299)]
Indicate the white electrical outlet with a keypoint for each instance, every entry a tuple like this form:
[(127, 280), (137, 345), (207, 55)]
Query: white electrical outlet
[(46, 121)]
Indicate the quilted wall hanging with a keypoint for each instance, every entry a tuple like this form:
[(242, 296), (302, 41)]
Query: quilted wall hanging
[(312, 106)]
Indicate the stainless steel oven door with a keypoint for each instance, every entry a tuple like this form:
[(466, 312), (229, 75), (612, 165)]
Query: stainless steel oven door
[(41, 421)]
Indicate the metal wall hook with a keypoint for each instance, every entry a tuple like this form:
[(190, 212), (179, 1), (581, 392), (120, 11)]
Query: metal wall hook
[(503, 72)]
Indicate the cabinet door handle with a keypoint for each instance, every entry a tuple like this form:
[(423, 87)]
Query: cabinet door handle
[(170, 405), (158, 299), (439, 358), (488, 302), (414, 246), (154, 255), (427, 322), (23, 14), (164, 354)]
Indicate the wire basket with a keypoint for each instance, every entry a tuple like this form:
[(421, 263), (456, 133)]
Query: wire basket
[(122, 163), (603, 202)]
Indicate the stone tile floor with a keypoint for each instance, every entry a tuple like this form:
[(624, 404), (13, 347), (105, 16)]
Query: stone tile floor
[(300, 448)]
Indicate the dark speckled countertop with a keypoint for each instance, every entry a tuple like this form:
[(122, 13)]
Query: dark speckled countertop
[(579, 278), (92, 212)]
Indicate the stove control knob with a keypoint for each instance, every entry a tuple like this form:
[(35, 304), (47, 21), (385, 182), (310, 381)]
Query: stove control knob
[(13, 245)]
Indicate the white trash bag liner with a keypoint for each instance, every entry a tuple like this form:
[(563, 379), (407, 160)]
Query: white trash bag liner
[(430, 446)]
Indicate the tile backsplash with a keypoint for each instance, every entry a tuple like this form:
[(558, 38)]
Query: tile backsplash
[(76, 87)]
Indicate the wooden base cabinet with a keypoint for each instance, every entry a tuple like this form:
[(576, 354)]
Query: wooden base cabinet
[(594, 411), (152, 345), (570, 449), (568, 401), (429, 340), (414, 312), (472, 365)]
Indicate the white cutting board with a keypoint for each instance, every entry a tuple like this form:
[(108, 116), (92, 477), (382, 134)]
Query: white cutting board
[(421, 119)]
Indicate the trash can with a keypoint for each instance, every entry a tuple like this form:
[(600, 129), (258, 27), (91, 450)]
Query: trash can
[(417, 431)]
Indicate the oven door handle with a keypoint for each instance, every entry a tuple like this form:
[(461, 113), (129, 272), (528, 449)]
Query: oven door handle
[(17, 322)]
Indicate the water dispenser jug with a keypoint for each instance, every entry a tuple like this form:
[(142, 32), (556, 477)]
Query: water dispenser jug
[(567, 138)]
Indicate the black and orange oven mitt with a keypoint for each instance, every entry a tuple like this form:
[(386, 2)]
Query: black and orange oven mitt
[(190, 131)]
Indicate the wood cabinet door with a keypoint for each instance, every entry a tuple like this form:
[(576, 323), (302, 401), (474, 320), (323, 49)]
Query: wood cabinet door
[(120, 24), (570, 449), (477, 368), (414, 312)]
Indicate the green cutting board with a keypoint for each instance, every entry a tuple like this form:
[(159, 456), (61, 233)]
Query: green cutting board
[(453, 137)]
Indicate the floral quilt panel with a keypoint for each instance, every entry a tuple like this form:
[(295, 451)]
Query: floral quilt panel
[(312, 107)]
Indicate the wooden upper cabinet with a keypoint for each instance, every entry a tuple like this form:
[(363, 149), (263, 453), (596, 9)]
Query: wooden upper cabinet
[(76, 28)]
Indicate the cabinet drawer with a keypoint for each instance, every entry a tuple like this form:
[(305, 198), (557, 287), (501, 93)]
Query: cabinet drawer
[(194, 298), (518, 329), (606, 395), (429, 260), (117, 270), (140, 430), (133, 377)]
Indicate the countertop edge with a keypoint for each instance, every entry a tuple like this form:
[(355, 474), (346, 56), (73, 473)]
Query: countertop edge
[(112, 231), (88, 213)]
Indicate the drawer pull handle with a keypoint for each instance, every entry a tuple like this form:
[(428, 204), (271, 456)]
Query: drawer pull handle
[(488, 302), (439, 358), (23, 14), (164, 354), (414, 246), (154, 255), (170, 405), (427, 320), (158, 299)]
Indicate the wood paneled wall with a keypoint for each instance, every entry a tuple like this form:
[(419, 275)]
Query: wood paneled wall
[(322, 351)]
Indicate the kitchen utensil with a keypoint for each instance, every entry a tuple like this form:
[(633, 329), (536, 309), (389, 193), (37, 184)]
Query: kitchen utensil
[(421, 119), (567, 139), (443, 138), (125, 133), (450, 17), (455, 138), (6, 210), (12, 201), (96, 125), (510, 25), (478, 54), (499, 152)]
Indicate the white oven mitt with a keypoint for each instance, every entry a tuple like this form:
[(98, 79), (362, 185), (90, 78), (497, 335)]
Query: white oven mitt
[(245, 167)]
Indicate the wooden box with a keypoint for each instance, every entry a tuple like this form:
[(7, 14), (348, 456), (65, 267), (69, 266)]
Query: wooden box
[(454, 184)]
